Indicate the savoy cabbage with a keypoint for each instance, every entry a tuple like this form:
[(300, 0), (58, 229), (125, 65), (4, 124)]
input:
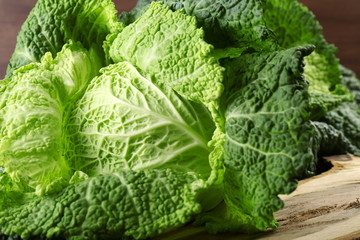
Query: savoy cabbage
[(178, 111)]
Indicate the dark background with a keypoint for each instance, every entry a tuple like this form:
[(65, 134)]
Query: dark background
[(340, 20)]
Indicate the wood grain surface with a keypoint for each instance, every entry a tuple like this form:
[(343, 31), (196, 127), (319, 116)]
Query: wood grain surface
[(340, 21)]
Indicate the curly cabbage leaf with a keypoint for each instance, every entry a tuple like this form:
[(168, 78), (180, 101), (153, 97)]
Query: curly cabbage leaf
[(238, 24), (351, 82), (129, 17), (140, 204), (169, 46), (125, 121), (53, 23), (344, 120), (128, 122), (294, 25), (331, 141), (33, 105), (268, 139)]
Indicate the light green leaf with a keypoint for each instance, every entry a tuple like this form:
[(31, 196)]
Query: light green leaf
[(126, 121), (34, 104), (237, 24), (169, 46)]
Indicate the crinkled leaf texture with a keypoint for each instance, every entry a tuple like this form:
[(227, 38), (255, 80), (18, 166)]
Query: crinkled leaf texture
[(129, 17), (33, 105), (169, 46), (171, 50), (344, 120), (351, 82), (268, 139), (52, 23), (126, 181), (125, 121), (238, 23), (134, 203), (294, 25), (330, 141), (136, 152)]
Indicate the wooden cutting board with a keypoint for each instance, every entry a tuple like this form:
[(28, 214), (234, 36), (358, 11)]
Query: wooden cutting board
[(326, 206)]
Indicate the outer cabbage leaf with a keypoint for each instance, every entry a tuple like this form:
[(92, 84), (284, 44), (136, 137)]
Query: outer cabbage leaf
[(169, 46), (345, 118), (238, 23), (52, 23), (268, 139), (331, 141), (125, 121), (321, 103), (325, 96), (138, 204), (33, 107), (351, 82), (294, 25)]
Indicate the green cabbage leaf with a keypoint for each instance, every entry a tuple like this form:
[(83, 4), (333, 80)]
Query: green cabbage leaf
[(134, 203), (53, 23), (150, 45), (236, 24), (294, 25), (345, 118), (125, 121), (34, 104), (268, 139)]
